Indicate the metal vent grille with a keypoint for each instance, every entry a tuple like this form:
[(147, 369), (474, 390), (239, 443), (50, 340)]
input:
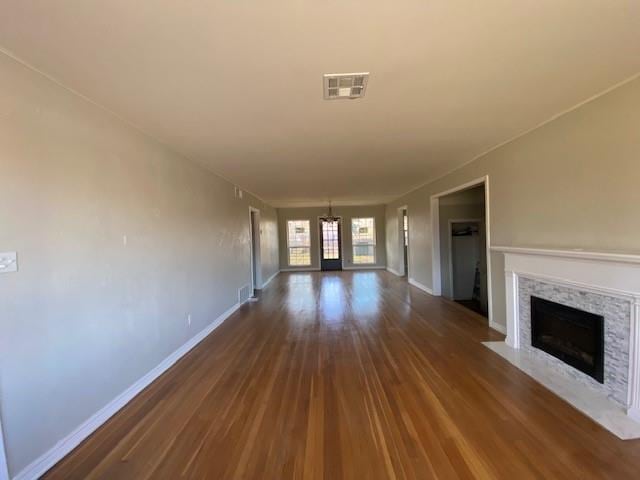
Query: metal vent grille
[(345, 85)]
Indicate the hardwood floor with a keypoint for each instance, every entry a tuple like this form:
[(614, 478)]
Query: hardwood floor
[(349, 375)]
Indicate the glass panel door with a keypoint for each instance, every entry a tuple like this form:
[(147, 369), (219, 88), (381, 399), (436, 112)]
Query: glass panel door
[(330, 245)]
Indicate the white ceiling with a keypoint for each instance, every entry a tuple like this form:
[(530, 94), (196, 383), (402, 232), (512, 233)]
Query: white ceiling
[(237, 85)]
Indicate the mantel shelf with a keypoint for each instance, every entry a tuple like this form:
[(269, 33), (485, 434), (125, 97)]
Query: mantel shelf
[(576, 253)]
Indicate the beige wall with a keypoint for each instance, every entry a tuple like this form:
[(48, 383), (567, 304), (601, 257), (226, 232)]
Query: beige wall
[(573, 183), (347, 213), (88, 313)]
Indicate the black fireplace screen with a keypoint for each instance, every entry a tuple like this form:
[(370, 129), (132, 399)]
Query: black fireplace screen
[(574, 336)]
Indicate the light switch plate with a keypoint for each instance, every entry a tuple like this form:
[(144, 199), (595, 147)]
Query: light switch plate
[(8, 262)]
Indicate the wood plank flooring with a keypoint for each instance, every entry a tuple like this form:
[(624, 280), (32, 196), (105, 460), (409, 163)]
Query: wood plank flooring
[(348, 375)]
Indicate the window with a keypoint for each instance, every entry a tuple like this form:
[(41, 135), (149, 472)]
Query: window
[(299, 243), (363, 236)]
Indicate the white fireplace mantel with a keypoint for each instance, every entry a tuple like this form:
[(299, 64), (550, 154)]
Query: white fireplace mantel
[(573, 253), (613, 274)]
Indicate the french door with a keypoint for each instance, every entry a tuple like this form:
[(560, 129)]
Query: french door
[(330, 245)]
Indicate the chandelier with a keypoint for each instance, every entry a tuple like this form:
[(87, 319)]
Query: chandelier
[(330, 217)]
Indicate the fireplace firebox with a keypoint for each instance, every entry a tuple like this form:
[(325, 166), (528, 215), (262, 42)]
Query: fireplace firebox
[(574, 336)]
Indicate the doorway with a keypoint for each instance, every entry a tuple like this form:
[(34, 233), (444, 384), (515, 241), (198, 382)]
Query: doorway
[(256, 271), (330, 245), (463, 257), (467, 264), (403, 242), (461, 242)]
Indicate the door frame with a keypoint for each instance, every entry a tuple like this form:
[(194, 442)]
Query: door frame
[(340, 234), (254, 257), (450, 259), (401, 241), (435, 240)]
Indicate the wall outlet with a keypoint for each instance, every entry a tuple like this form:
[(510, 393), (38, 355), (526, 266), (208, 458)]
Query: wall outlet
[(8, 262)]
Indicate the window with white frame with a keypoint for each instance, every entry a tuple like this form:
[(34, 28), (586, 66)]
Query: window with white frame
[(363, 239), (299, 243)]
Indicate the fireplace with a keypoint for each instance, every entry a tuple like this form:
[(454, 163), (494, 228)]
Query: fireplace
[(574, 336)]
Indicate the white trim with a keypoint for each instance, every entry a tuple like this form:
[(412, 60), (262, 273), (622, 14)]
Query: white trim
[(4, 468), (395, 272), (264, 285), (513, 309), (435, 238), (575, 253), (255, 257), (609, 278), (464, 186), (487, 236), (634, 363), (419, 285), (39, 466), (498, 327)]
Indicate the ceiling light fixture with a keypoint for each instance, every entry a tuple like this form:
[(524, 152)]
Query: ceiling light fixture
[(330, 217), (345, 85)]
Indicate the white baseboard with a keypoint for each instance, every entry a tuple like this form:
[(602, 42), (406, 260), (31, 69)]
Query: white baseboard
[(264, 285), (302, 269), (39, 466), (395, 272), (364, 267), (500, 328), (422, 287)]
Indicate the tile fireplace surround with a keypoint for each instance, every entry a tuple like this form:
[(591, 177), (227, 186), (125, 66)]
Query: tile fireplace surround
[(606, 284)]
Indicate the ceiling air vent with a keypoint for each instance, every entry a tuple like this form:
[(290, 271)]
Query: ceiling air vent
[(345, 85)]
